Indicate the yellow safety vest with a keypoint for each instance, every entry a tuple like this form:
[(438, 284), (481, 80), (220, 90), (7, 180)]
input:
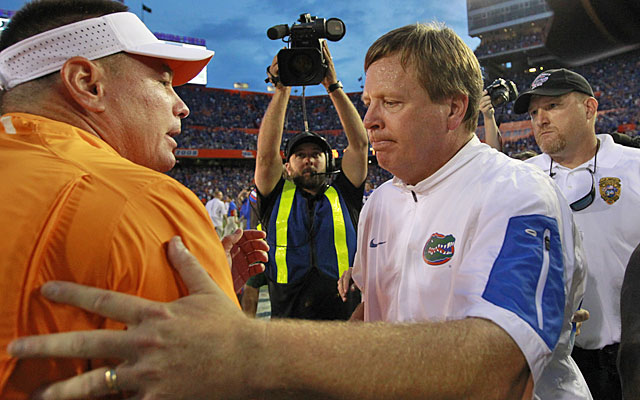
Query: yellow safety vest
[(339, 229)]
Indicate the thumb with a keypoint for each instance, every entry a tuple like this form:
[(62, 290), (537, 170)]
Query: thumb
[(189, 268), (230, 240)]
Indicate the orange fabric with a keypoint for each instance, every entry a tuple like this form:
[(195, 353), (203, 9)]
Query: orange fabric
[(75, 210)]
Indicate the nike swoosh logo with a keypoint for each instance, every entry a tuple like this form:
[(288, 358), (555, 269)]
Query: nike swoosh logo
[(373, 245)]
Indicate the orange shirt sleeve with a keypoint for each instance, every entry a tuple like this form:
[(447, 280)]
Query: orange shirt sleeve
[(138, 258), (102, 238)]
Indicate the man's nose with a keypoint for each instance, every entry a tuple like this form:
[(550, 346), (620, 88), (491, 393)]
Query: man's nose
[(541, 117), (180, 109), (371, 119)]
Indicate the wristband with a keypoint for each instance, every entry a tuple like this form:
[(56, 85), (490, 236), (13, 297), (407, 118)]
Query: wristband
[(275, 79), (334, 86)]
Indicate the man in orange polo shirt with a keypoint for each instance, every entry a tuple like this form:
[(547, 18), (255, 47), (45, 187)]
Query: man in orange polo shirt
[(88, 119)]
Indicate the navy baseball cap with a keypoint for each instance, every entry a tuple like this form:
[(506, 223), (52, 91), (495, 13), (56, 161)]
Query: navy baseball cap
[(554, 82), (306, 137)]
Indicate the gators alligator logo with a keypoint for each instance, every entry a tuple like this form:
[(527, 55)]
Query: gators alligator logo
[(610, 189), (439, 249), (540, 80)]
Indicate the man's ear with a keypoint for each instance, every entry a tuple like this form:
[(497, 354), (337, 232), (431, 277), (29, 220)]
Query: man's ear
[(84, 81), (591, 107), (458, 109)]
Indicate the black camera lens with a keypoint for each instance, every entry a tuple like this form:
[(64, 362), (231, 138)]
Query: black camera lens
[(499, 97), (502, 91), (301, 65)]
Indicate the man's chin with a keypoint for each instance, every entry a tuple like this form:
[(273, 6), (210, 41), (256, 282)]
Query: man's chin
[(311, 182), (164, 165), (552, 147)]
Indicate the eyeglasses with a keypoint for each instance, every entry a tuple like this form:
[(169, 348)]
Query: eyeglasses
[(587, 199)]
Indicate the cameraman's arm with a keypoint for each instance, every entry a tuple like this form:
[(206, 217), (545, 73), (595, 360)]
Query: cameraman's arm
[(354, 159), (268, 160), (491, 132)]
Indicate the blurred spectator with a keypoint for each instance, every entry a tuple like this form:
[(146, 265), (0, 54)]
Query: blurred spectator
[(368, 189), (216, 209)]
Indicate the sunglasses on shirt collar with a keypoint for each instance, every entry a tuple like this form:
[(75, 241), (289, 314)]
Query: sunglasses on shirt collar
[(588, 198)]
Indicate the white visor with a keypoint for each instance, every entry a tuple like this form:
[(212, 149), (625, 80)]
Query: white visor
[(94, 38)]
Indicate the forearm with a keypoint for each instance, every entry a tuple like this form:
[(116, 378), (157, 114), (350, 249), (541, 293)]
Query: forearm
[(354, 159), (268, 160), (358, 314), (492, 133), (272, 125), (471, 358)]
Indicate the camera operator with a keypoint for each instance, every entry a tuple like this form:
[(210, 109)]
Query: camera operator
[(301, 213)]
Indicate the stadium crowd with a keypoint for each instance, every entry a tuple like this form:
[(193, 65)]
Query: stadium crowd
[(232, 179), (203, 181), (510, 44)]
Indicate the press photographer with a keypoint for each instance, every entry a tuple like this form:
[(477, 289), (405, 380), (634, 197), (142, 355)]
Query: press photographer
[(498, 93)]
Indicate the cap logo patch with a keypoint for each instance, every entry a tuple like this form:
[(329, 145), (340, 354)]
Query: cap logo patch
[(540, 80), (439, 249), (610, 189)]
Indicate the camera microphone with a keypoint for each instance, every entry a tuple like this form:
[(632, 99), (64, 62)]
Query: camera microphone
[(278, 31)]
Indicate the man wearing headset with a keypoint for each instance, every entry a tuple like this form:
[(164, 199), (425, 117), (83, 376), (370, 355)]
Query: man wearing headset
[(310, 216)]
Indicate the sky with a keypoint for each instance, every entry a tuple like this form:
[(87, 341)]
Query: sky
[(236, 31)]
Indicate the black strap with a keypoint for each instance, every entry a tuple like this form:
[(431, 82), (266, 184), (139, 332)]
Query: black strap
[(334, 86), (275, 79)]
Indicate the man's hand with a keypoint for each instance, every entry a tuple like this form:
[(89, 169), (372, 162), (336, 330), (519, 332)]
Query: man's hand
[(491, 130), (579, 317), (246, 251), (171, 350), (345, 284), (273, 75), (485, 106), (330, 76)]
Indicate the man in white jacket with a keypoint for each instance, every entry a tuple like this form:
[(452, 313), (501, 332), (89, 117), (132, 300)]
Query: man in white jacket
[(600, 180)]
